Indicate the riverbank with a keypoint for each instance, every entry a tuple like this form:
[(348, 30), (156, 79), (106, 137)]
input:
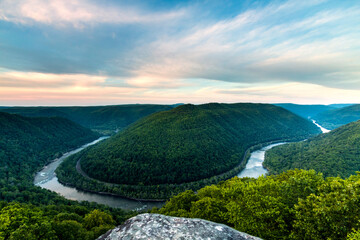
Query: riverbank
[(71, 176), (78, 192), (47, 179), (254, 167)]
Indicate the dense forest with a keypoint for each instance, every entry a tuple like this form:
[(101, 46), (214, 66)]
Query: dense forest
[(336, 153), (185, 144), (20, 221), (104, 119), (297, 204), (337, 117), (26, 145)]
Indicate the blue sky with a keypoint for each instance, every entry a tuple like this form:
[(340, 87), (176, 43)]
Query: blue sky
[(83, 52)]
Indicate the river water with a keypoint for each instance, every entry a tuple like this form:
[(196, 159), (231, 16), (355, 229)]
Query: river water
[(324, 130), (47, 179), (254, 167)]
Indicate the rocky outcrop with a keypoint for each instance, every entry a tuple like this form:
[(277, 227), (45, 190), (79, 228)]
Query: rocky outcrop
[(156, 226)]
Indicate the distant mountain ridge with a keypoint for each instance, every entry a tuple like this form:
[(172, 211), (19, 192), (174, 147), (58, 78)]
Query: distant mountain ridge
[(336, 153), (337, 117), (101, 118), (309, 110)]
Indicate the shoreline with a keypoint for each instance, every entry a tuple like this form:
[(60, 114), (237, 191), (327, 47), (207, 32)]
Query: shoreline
[(112, 194), (238, 168)]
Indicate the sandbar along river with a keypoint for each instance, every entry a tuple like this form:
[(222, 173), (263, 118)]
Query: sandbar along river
[(47, 179)]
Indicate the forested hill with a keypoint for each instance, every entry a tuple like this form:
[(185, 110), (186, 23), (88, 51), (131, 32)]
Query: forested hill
[(101, 118), (190, 142), (336, 153), (338, 117), (28, 143), (305, 111)]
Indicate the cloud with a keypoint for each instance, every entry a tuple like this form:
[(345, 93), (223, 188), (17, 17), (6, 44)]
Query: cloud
[(31, 88), (138, 53), (15, 79), (296, 92), (276, 43), (78, 13)]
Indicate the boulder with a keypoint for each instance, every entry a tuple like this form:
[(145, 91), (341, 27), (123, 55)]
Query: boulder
[(156, 226)]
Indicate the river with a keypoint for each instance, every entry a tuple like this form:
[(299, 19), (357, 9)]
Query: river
[(324, 130), (254, 167), (47, 179)]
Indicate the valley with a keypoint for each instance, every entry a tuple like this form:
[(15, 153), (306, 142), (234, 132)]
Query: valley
[(195, 120), (47, 179), (248, 164), (335, 118), (187, 147)]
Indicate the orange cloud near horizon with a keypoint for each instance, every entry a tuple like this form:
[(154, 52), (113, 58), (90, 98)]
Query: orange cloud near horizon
[(42, 89)]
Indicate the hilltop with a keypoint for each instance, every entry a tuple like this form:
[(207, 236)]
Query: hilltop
[(188, 143)]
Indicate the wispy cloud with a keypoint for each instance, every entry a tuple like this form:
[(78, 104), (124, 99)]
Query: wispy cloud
[(78, 13), (33, 88), (297, 92), (256, 46), (19, 88), (266, 51), (40, 80)]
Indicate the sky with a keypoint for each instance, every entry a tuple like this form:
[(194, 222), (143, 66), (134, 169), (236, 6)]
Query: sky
[(87, 52)]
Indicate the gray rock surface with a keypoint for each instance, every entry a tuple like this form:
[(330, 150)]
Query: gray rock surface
[(156, 226)]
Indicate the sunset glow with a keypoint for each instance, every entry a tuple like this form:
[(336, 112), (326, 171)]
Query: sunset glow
[(86, 52)]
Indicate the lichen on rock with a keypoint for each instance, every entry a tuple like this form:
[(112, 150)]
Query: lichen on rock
[(156, 226)]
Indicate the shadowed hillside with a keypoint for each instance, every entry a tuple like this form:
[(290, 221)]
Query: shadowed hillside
[(105, 119), (305, 111), (28, 143), (337, 117)]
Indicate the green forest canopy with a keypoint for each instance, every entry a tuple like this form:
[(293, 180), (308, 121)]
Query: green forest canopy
[(296, 204), (336, 153), (190, 142), (26, 145)]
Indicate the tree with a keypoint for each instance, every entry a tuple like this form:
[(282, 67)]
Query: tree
[(97, 218)]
